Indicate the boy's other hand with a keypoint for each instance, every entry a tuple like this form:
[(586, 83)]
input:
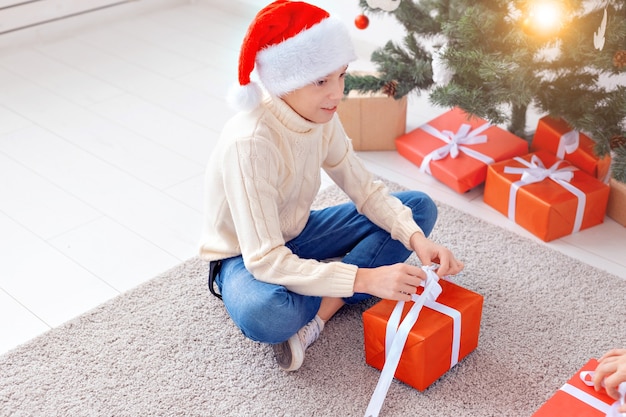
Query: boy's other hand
[(428, 252)]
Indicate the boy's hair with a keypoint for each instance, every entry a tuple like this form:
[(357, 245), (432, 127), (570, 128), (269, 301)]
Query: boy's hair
[(291, 44)]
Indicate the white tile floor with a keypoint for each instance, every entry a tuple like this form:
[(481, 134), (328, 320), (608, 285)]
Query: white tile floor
[(103, 139)]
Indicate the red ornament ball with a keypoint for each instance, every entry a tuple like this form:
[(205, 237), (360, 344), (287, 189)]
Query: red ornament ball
[(361, 21)]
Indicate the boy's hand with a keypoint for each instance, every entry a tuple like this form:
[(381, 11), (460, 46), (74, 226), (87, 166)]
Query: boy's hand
[(611, 370), (400, 281), (392, 282), (428, 252)]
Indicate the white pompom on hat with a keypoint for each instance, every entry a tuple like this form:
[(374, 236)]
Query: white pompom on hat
[(291, 44)]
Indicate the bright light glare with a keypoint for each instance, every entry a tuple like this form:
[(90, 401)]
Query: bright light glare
[(546, 17)]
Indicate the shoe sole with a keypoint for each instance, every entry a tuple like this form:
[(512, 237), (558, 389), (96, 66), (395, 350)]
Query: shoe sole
[(285, 357)]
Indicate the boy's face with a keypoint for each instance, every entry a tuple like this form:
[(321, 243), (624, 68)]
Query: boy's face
[(318, 102)]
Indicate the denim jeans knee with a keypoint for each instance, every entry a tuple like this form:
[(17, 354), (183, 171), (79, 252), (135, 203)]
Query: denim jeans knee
[(263, 312), (423, 207)]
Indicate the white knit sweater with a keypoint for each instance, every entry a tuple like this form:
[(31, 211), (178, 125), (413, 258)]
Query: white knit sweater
[(260, 182)]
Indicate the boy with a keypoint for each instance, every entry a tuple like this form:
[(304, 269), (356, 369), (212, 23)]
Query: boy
[(265, 245)]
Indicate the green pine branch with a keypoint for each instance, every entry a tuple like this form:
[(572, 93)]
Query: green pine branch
[(362, 83), (619, 164)]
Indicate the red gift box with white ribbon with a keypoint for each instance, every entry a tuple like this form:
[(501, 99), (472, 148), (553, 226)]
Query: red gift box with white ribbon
[(456, 148), (545, 195), (419, 341), (576, 398), (558, 137)]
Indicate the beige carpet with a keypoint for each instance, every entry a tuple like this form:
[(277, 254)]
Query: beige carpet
[(168, 348)]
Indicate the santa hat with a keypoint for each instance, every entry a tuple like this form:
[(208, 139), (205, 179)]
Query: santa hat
[(291, 44)]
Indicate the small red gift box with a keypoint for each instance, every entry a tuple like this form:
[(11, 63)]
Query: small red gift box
[(577, 399), (556, 136), (535, 193), (428, 351), (434, 146)]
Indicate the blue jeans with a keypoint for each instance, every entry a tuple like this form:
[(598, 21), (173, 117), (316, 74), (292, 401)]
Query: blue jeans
[(270, 313)]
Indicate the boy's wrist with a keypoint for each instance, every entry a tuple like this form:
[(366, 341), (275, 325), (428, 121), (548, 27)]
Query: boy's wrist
[(416, 239)]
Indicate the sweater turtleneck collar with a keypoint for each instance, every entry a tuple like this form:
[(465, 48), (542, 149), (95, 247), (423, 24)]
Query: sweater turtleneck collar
[(288, 116)]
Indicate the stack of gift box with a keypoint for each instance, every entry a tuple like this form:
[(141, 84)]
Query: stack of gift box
[(457, 150), (557, 189)]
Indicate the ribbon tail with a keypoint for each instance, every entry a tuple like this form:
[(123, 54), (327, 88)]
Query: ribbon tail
[(456, 328), (580, 207), (392, 326), (392, 358), (477, 155), (425, 166), (513, 198), (568, 143), (480, 129)]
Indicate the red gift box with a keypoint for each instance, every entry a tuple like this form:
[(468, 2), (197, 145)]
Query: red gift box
[(577, 399), (550, 208), (428, 351), (477, 148), (556, 136)]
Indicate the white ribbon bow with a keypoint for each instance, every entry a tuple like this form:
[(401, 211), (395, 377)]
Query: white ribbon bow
[(587, 378), (535, 171), (397, 333), (568, 143), (455, 143)]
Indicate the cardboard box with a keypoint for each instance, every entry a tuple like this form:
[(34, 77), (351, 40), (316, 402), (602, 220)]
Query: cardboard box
[(547, 209), (373, 121), (577, 399), (556, 136), (463, 172), (427, 352), (616, 208)]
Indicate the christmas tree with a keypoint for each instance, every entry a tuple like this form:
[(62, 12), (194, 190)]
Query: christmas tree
[(499, 59)]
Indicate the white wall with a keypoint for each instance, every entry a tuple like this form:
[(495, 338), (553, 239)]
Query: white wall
[(20, 20), (18, 14)]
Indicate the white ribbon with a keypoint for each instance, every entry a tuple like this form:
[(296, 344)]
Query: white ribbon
[(610, 411), (586, 398), (535, 171), (397, 333), (454, 144), (622, 401), (568, 143), (456, 327)]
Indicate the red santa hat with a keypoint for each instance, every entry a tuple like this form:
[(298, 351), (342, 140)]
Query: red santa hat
[(291, 44)]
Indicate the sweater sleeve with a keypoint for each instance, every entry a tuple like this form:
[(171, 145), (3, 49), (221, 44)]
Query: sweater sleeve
[(252, 192), (371, 197)]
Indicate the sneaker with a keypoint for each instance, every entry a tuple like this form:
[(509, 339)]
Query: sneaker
[(290, 353)]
